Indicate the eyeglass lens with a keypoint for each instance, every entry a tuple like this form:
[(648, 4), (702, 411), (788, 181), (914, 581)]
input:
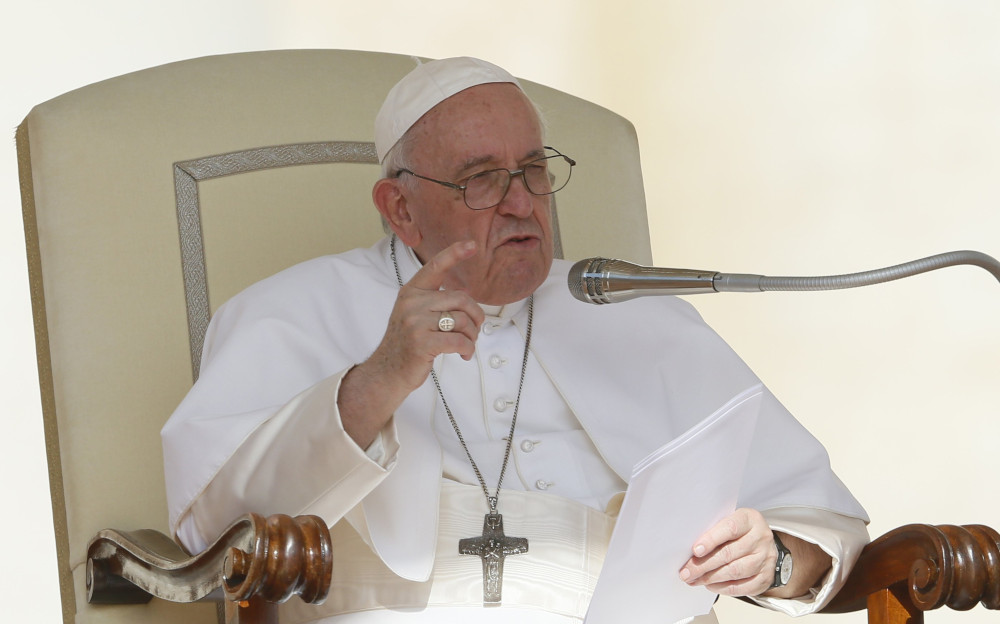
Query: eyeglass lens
[(542, 177)]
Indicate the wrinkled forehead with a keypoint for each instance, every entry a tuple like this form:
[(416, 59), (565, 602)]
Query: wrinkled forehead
[(425, 87), (491, 123)]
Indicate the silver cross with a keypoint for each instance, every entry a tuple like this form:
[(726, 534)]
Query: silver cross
[(492, 547)]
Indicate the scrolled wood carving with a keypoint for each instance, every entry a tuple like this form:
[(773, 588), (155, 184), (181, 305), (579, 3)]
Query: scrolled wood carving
[(271, 559), (289, 557), (947, 565)]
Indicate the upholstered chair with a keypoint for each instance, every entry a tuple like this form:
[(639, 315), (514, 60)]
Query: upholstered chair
[(151, 198)]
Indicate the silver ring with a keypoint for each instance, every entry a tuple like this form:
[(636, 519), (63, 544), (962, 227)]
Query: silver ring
[(446, 322)]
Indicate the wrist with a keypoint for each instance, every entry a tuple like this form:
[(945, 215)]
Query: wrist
[(783, 565)]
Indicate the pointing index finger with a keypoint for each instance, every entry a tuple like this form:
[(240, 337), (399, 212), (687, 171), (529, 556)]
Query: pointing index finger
[(432, 275)]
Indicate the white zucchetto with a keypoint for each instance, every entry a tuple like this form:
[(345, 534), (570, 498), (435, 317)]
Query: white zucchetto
[(425, 87)]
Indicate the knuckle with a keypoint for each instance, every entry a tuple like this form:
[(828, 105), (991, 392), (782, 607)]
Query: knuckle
[(725, 589), (726, 552), (769, 556), (734, 570), (732, 527)]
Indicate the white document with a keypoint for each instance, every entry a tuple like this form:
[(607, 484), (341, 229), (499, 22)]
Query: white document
[(676, 494)]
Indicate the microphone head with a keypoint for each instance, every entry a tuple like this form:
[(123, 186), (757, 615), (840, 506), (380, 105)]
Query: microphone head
[(608, 280), (587, 280)]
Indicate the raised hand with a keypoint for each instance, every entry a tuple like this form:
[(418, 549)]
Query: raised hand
[(372, 390)]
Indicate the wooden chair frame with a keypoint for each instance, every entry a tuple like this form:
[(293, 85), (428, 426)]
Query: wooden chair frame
[(258, 563)]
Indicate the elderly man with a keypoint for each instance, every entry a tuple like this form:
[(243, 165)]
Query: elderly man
[(424, 396)]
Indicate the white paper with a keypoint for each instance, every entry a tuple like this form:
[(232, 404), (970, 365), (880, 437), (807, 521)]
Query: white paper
[(676, 494)]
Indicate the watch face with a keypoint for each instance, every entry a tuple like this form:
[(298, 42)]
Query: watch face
[(786, 569)]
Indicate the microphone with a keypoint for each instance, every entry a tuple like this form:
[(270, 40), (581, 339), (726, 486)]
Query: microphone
[(608, 280), (604, 280)]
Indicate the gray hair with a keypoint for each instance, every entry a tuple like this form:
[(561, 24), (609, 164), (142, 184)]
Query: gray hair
[(398, 156)]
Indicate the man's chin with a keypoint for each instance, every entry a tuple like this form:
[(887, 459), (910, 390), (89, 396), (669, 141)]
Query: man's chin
[(515, 283)]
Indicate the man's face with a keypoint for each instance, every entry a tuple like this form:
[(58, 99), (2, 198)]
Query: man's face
[(484, 127)]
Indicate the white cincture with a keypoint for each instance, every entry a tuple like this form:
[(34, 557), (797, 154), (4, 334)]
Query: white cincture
[(558, 575)]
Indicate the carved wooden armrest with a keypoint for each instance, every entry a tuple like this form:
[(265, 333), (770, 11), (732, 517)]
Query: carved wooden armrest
[(919, 567), (254, 559)]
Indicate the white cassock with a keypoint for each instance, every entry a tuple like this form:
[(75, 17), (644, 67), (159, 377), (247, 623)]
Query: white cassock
[(605, 386)]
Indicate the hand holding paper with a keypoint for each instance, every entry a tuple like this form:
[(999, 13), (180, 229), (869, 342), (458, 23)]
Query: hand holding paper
[(675, 495), (736, 557)]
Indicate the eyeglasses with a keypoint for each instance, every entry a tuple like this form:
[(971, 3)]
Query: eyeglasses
[(486, 189)]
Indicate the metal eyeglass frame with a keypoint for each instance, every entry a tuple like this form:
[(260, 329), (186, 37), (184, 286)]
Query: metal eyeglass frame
[(510, 177)]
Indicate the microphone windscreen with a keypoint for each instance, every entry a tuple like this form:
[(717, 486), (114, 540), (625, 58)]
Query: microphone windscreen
[(588, 279)]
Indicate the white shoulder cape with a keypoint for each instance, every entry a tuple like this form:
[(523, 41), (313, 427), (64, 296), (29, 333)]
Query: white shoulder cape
[(636, 375)]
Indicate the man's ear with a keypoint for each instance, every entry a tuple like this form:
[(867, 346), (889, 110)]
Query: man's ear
[(391, 201)]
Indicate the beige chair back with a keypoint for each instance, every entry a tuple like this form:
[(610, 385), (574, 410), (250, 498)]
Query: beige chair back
[(151, 198)]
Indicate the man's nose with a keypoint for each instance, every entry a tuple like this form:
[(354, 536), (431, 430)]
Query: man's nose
[(518, 201)]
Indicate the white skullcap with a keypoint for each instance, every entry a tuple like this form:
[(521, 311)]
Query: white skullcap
[(424, 88)]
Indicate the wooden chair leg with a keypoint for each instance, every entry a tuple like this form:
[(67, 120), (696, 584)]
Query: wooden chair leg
[(254, 611), (893, 606)]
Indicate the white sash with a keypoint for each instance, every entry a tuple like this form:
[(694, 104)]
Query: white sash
[(552, 582), (566, 546)]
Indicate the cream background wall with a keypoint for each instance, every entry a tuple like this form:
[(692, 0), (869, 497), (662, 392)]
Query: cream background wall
[(778, 137)]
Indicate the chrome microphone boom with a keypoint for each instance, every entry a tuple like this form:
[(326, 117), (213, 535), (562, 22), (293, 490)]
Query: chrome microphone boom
[(603, 280)]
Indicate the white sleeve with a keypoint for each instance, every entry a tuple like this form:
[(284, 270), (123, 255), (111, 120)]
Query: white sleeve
[(842, 537), (300, 461)]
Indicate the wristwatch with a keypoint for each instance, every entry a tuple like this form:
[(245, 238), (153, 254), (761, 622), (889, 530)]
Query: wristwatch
[(783, 567)]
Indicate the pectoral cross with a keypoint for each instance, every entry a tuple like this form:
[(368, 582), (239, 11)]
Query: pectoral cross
[(492, 547)]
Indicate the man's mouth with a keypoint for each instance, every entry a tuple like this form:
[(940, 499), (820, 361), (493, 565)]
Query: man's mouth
[(520, 239)]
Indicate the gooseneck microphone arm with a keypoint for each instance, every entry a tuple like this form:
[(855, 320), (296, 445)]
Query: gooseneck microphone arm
[(602, 280)]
